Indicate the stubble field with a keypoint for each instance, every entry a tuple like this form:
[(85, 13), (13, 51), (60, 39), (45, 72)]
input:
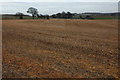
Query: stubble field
[(60, 48)]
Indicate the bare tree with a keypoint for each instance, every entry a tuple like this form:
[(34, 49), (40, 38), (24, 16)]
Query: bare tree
[(32, 11)]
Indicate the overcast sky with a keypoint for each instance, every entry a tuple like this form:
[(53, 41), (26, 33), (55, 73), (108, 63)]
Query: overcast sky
[(55, 6), (59, 0)]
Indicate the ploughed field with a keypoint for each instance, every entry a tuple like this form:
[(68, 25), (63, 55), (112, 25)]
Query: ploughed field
[(60, 48)]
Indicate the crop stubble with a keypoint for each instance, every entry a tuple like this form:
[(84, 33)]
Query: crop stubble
[(60, 48)]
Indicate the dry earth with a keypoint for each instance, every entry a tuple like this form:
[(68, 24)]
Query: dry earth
[(59, 48)]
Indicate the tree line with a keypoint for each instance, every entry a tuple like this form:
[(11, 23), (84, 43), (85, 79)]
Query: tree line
[(64, 15)]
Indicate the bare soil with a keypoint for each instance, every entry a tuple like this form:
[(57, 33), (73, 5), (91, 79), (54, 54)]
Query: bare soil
[(60, 48)]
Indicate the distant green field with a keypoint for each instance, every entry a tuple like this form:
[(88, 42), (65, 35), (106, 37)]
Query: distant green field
[(15, 17), (96, 17), (105, 17), (75, 17)]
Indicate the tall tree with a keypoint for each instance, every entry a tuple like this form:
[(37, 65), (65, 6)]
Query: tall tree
[(32, 11)]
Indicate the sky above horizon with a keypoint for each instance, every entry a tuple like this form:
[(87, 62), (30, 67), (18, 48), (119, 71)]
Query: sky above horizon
[(55, 7), (59, 0)]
